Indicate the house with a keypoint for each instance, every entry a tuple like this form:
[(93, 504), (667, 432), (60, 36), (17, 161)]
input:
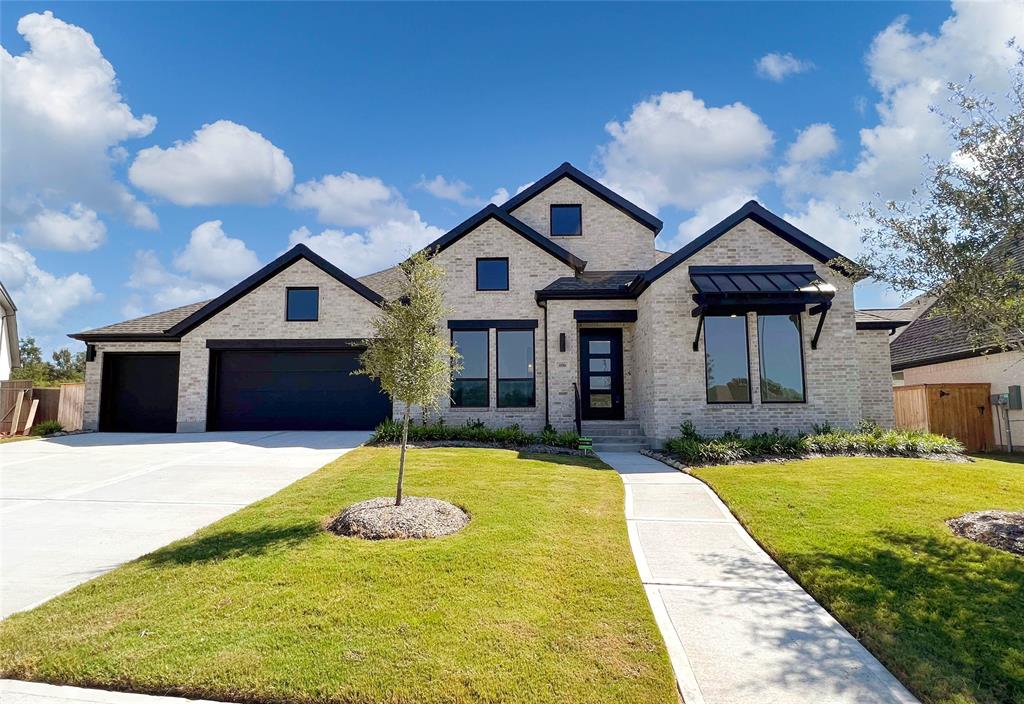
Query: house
[(563, 312), (10, 353), (933, 349)]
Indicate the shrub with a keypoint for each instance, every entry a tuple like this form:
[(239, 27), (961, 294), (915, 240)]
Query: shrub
[(869, 439), (390, 431), (47, 427)]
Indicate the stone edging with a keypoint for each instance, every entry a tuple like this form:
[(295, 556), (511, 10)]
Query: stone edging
[(540, 449)]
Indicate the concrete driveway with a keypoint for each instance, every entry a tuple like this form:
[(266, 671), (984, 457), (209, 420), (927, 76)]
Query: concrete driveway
[(75, 507)]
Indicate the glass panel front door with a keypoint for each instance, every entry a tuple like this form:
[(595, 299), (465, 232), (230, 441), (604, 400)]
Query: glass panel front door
[(601, 374)]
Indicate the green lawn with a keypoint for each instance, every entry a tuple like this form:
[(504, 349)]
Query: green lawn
[(17, 438), (537, 600), (866, 538)]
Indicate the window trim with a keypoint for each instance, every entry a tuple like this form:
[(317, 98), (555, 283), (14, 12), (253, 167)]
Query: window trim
[(803, 363), (551, 220), (287, 314), (497, 368), (508, 274), (487, 365), (746, 347)]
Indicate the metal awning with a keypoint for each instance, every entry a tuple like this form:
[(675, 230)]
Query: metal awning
[(780, 289)]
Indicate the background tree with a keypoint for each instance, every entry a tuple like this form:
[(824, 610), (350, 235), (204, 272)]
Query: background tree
[(67, 366), (960, 238), (408, 355)]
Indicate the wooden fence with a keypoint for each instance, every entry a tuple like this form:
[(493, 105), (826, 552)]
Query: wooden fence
[(65, 405), (960, 411)]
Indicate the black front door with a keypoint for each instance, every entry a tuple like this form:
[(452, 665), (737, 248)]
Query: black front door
[(601, 374)]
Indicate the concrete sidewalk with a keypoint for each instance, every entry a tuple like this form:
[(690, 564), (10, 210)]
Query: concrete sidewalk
[(17, 692), (737, 627)]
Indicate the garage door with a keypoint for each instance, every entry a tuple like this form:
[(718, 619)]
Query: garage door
[(293, 390), (140, 393)]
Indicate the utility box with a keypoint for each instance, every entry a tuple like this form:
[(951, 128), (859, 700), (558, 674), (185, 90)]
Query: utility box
[(1014, 398)]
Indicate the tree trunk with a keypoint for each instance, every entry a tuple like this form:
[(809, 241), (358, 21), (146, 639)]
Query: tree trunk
[(401, 461)]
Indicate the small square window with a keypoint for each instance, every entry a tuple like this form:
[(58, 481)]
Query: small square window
[(492, 274), (303, 304), (566, 220)]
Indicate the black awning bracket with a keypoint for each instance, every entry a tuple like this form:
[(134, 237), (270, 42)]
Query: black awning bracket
[(696, 338), (821, 310)]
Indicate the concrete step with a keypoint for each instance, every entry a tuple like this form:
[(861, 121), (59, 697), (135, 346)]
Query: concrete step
[(598, 439), (594, 430), (621, 446)]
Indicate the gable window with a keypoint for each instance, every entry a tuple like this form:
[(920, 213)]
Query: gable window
[(516, 386), (303, 304), (471, 385), (725, 358), (782, 358), (492, 274), (566, 220)]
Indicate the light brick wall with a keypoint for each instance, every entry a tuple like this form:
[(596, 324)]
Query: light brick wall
[(94, 374), (610, 240), (1000, 370), (876, 397), (261, 315), (564, 366), (530, 269), (672, 375)]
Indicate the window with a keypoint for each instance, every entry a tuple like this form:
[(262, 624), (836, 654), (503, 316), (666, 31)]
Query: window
[(470, 386), (303, 304), (515, 369), (492, 274), (725, 358), (782, 358), (566, 220)]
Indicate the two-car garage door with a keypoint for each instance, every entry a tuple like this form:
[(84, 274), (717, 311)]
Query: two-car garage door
[(249, 389)]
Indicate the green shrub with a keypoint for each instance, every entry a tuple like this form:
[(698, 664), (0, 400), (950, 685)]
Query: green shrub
[(47, 427), (869, 439), (390, 431)]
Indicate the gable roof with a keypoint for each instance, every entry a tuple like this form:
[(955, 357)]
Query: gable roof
[(759, 214), (567, 170), (514, 224)]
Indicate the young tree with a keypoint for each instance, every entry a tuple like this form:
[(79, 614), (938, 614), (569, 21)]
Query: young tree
[(408, 355), (961, 238)]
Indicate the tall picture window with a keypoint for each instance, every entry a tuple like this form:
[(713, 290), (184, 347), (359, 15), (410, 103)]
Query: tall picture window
[(725, 358), (781, 357), (471, 384), (516, 383)]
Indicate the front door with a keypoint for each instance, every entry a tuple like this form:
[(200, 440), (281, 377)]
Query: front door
[(601, 374)]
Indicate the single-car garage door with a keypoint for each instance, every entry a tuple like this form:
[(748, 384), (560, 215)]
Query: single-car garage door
[(293, 390), (140, 393)]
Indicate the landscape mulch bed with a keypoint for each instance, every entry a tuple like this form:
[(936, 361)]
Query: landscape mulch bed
[(777, 459), (998, 529)]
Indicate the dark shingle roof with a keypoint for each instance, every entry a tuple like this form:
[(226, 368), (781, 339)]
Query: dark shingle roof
[(153, 324), (591, 284), (387, 282)]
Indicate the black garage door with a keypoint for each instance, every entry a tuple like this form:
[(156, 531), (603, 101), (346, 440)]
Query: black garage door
[(293, 390), (140, 393)]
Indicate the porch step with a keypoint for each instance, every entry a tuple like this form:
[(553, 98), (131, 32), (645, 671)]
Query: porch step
[(597, 429), (620, 446)]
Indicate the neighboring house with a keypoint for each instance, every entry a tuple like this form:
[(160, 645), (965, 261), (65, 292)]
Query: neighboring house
[(10, 353), (561, 308)]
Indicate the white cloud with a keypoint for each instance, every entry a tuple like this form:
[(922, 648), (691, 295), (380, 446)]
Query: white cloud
[(77, 230), (63, 121), (500, 196), (377, 248), (223, 163), (675, 150), (43, 299), (455, 191), (351, 200), (160, 289), (704, 217), (812, 143), (214, 258), (776, 67)]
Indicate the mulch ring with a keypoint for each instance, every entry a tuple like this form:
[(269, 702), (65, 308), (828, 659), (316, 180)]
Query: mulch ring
[(998, 529), (536, 449), (417, 517)]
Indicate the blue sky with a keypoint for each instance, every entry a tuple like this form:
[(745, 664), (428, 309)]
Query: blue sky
[(331, 123)]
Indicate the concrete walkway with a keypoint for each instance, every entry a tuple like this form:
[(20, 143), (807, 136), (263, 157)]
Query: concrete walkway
[(16, 692), (737, 627)]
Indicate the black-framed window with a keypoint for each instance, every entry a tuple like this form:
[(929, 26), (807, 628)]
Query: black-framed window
[(471, 385), (781, 354), (516, 379), (566, 220), (303, 304), (726, 359), (492, 274)]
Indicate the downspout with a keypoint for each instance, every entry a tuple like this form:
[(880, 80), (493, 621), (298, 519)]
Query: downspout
[(547, 398)]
